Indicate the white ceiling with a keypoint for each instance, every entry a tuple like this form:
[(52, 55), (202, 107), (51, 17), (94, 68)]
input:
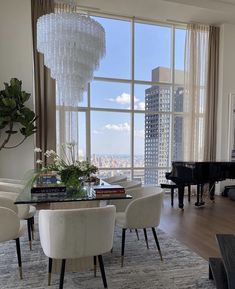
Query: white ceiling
[(203, 11)]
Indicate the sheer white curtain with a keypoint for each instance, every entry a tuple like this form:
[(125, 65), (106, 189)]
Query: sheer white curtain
[(67, 128), (196, 71)]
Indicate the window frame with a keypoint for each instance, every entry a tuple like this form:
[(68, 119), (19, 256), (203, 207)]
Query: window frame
[(132, 82)]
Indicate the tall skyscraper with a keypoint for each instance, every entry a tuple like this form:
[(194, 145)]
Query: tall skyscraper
[(158, 104)]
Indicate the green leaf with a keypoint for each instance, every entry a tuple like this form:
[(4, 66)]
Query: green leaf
[(13, 110), (27, 113), (6, 101), (24, 96)]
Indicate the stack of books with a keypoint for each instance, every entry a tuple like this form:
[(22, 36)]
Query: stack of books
[(109, 191), (48, 188)]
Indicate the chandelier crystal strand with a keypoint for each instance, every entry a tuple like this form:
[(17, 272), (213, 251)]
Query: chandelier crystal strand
[(72, 44)]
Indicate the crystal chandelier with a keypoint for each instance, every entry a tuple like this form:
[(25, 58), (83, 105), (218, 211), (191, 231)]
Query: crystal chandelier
[(72, 44)]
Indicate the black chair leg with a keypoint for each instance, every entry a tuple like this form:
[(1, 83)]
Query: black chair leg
[(157, 243), (62, 274), (137, 234), (102, 270), (172, 197), (32, 227), (49, 271), (123, 245), (29, 233), (146, 238), (94, 262), (19, 257)]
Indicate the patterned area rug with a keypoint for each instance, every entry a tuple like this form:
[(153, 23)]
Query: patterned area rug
[(143, 268)]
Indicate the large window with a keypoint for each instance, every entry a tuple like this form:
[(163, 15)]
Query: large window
[(131, 119)]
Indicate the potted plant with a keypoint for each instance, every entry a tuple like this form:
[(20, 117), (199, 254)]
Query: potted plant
[(15, 117), (71, 171)]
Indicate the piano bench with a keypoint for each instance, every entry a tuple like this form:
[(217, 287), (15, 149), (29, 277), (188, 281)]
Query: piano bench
[(172, 187)]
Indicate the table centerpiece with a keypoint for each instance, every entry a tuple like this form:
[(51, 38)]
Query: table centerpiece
[(70, 171)]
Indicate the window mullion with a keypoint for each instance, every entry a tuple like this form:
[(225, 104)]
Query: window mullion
[(132, 94), (171, 153), (88, 124)]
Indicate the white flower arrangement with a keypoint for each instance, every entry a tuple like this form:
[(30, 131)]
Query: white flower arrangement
[(68, 167)]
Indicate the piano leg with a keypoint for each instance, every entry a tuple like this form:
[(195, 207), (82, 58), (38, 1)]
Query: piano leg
[(181, 196), (198, 193), (201, 195), (199, 201), (212, 190)]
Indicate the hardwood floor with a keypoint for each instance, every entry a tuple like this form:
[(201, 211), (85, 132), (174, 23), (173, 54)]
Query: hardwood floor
[(196, 226)]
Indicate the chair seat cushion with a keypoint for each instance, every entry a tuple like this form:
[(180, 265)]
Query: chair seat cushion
[(121, 219)]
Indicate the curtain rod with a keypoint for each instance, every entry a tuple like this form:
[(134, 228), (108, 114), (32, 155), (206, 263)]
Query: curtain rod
[(93, 11)]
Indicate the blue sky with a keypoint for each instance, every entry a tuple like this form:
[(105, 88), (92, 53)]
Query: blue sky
[(110, 132)]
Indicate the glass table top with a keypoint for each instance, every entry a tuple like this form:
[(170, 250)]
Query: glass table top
[(85, 193)]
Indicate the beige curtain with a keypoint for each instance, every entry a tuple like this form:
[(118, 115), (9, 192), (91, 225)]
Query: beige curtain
[(196, 68), (45, 100), (212, 95)]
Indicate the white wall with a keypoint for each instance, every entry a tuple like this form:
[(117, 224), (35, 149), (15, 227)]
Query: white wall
[(16, 61)]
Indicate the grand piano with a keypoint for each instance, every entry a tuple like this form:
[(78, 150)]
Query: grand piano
[(199, 173)]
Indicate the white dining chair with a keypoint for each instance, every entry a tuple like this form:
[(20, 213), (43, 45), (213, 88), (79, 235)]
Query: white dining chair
[(130, 184), (115, 179), (142, 213), (76, 233), (10, 227), (12, 181), (130, 188), (11, 187), (24, 212)]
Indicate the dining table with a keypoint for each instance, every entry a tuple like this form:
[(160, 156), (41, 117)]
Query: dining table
[(53, 197)]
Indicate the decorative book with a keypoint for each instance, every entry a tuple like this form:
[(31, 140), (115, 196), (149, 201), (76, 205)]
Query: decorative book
[(110, 195), (53, 188), (109, 190), (47, 178)]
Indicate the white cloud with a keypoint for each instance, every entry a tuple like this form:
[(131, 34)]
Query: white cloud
[(122, 127), (124, 98), (140, 105), (118, 127)]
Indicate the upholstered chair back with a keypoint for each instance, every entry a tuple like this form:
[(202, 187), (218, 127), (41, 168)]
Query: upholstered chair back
[(8, 202), (22, 210), (143, 191), (9, 224), (11, 187), (115, 179), (76, 233), (11, 181), (135, 192), (145, 210), (130, 184)]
